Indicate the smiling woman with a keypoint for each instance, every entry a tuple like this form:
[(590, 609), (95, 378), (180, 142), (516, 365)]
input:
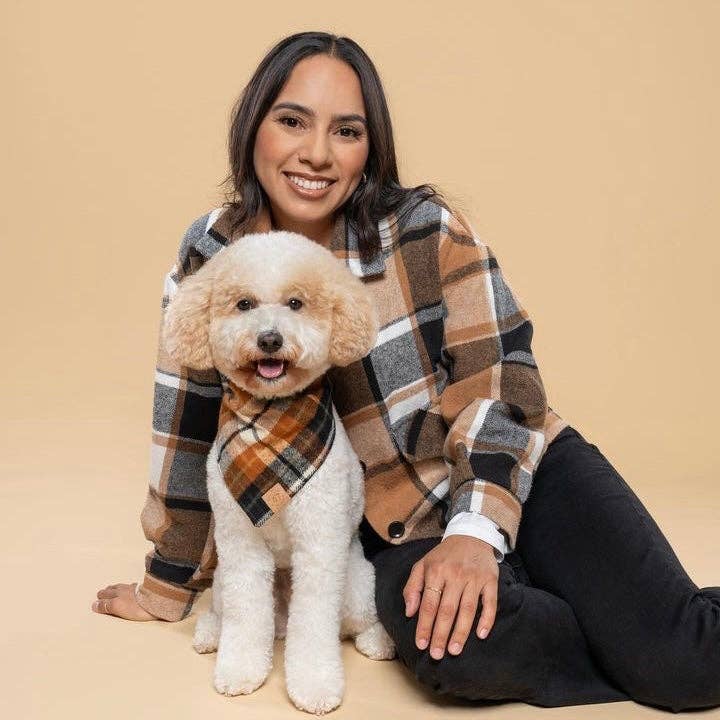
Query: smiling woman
[(311, 140), (308, 158), (449, 417)]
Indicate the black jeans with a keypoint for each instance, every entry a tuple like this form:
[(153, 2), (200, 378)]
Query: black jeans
[(593, 605)]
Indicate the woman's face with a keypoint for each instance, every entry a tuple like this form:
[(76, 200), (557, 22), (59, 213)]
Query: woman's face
[(322, 136)]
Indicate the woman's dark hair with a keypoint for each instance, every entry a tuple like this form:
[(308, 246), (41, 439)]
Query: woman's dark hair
[(381, 192)]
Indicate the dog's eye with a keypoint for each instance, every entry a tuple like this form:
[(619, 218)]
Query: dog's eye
[(294, 304), (244, 304)]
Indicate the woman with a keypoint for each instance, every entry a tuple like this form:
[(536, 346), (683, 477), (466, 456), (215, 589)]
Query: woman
[(582, 602)]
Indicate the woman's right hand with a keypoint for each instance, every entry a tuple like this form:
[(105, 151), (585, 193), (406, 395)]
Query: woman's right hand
[(119, 600)]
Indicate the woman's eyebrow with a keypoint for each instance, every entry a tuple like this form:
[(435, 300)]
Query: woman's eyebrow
[(307, 111)]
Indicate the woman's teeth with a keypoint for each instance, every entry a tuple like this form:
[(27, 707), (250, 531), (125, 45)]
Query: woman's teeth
[(309, 184)]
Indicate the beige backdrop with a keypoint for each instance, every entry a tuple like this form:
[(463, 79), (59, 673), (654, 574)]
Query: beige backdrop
[(581, 137)]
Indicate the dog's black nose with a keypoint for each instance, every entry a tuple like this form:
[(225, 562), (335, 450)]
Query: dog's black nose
[(270, 341)]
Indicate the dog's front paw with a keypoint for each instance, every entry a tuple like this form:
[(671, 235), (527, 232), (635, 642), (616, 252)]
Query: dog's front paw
[(207, 632), (238, 677), (317, 692), (375, 643), (316, 685)]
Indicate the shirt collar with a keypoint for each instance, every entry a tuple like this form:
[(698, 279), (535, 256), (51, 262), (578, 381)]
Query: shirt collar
[(343, 244)]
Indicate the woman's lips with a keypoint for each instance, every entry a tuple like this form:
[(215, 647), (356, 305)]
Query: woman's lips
[(307, 193)]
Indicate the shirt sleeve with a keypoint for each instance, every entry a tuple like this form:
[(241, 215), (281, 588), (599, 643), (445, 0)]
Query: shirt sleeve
[(494, 403), (478, 526), (176, 517)]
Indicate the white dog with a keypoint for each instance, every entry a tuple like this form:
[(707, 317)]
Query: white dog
[(272, 312)]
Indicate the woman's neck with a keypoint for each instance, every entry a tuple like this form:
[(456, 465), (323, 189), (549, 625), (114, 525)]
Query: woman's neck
[(320, 232)]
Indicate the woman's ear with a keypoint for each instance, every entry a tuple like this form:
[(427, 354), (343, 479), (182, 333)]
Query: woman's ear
[(354, 324), (186, 324)]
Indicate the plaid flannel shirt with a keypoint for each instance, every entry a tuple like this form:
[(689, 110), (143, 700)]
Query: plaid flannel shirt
[(447, 412)]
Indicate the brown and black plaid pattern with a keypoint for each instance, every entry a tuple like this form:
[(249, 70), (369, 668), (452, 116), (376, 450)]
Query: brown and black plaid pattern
[(447, 412), (268, 449)]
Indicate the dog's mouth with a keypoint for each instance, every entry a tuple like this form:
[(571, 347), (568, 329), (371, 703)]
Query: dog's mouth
[(270, 368)]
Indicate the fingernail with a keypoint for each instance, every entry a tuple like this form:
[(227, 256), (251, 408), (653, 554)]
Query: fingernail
[(436, 653), (455, 648), (422, 643), (95, 606), (483, 633), (407, 611)]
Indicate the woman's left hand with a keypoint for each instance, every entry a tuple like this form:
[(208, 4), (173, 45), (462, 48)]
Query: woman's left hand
[(462, 568)]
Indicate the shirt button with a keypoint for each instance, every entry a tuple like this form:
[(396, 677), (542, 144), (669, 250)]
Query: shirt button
[(396, 529)]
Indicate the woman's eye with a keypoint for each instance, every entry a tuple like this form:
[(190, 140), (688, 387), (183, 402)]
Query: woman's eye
[(354, 133), (294, 304), (244, 304), (289, 117)]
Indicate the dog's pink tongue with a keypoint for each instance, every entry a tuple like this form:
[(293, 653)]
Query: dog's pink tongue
[(270, 368)]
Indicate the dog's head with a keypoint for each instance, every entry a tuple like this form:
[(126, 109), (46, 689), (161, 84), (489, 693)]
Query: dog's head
[(272, 312)]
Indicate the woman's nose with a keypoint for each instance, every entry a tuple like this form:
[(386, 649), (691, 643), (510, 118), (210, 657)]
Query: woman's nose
[(316, 150)]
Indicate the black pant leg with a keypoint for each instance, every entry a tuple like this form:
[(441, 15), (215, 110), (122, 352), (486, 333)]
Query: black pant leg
[(587, 538), (534, 653)]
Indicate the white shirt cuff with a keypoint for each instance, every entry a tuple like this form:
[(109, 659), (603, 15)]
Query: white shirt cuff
[(481, 527)]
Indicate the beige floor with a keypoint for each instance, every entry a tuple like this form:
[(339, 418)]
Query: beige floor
[(71, 526)]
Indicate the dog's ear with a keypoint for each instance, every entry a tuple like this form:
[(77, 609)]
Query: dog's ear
[(354, 324), (186, 324)]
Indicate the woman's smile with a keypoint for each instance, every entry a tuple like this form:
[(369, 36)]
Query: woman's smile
[(307, 189)]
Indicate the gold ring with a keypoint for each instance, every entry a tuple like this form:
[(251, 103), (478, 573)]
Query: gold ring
[(434, 589)]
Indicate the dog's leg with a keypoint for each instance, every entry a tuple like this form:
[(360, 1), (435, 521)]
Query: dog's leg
[(247, 629), (207, 627), (359, 614), (245, 647), (313, 664)]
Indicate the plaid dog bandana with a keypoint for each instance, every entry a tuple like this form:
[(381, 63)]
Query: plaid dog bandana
[(269, 449)]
